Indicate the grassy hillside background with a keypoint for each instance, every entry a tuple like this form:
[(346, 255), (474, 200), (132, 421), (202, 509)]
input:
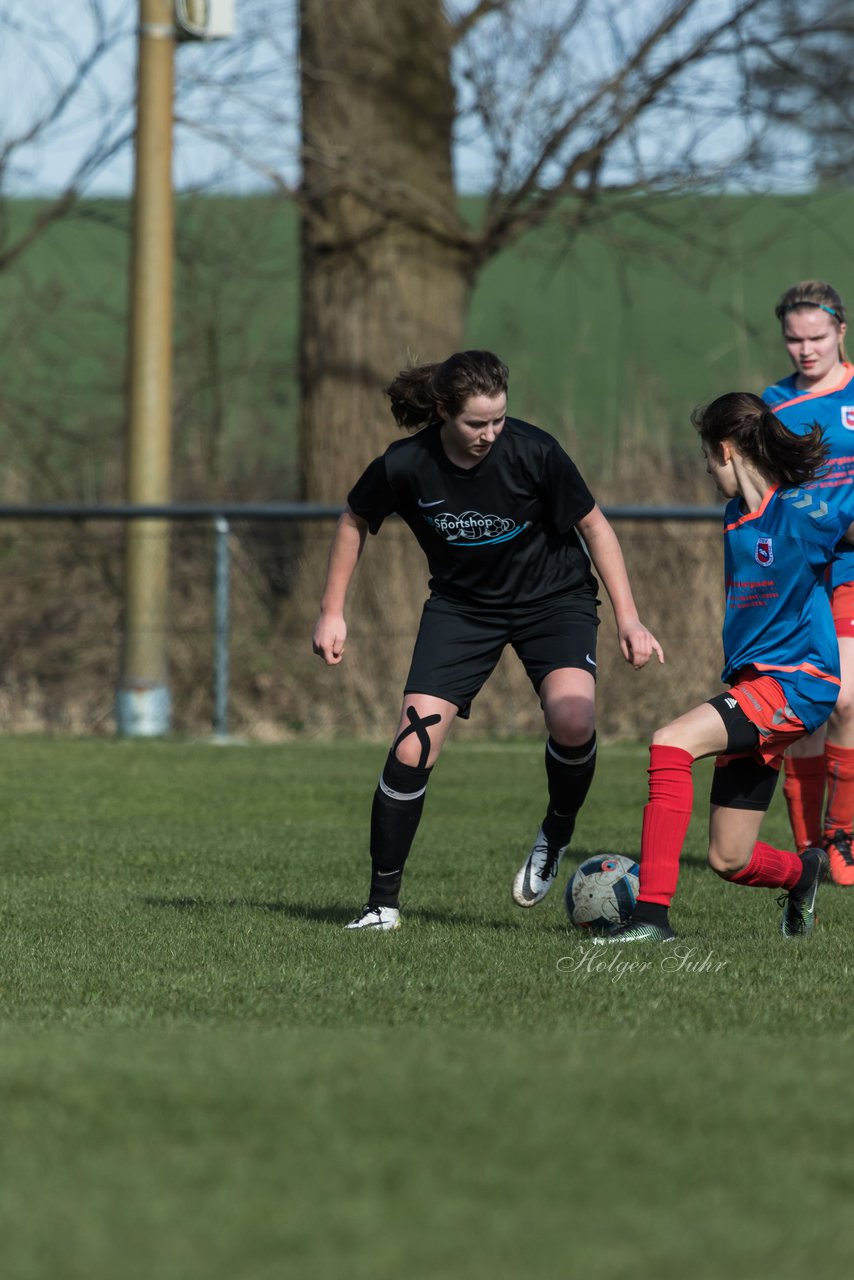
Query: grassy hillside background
[(612, 336)]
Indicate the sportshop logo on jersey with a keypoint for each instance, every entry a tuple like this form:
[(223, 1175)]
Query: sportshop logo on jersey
[(473, 529)]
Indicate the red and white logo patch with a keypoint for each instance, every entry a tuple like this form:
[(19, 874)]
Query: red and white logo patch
[(764, 553), (847, 412)]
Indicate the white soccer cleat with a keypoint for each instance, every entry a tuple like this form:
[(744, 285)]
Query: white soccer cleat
[(383, 918), (538, 872)]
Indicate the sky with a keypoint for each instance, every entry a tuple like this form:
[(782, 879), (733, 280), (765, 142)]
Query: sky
[(42, 44), (42, 52)]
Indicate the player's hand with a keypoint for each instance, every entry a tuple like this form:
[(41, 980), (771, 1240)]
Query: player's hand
[(329, 637), (638, 645)]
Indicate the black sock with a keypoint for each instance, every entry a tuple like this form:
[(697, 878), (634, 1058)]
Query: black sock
[(569, 771), (396, 812), (650, 913)]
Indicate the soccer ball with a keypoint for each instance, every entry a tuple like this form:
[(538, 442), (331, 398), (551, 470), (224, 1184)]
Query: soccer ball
[(602, 892)]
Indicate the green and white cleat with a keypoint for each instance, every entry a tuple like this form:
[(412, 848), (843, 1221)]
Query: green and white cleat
[(640, 932), (799, 903)]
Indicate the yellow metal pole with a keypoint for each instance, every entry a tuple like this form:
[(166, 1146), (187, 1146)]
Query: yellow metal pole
[(143, 704)]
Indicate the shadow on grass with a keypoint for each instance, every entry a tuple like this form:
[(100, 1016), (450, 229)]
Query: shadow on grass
[(298, 910), (324, 915)]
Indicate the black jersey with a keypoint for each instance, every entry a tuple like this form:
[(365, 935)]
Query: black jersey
[(498, 534)]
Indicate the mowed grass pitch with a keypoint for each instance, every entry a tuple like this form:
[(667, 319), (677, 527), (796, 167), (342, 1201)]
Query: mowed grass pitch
[(203, 1076)]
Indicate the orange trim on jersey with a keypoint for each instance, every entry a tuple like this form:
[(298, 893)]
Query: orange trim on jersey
[(753, 515), (806, 667), (812, 395)]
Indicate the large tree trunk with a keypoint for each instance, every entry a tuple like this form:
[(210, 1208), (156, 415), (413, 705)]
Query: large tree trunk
[(385, 275), (386, 278)]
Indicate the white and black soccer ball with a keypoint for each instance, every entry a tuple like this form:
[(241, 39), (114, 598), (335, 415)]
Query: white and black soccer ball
[(602, 892)]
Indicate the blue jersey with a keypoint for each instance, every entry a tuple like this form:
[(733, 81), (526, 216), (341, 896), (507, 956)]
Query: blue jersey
[(778, 617), (834, 411)]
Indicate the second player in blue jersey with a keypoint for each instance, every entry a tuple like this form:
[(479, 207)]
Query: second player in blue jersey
[(821, 390)]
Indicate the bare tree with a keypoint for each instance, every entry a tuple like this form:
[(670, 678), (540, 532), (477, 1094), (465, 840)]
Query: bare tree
[(570, 111), (807, 87), (66, 103), (569, 106), (70, 78)]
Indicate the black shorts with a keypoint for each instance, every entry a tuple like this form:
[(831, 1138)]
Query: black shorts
[(458, 648)]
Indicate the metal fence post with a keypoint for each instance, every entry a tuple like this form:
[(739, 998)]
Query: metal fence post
[(222, 605)]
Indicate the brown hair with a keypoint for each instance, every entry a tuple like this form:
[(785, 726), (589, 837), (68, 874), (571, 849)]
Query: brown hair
[(417, 392), (811, 294), (759, 435)]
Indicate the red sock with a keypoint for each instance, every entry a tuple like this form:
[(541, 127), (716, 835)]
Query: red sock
[(769, 868), (803, 787), (839, 762), (665, 822)]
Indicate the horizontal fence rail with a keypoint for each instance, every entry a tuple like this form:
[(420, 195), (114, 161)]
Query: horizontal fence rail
[(223, 520), (282, 511)]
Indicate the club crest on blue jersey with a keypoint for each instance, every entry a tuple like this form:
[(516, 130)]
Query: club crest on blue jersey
[(847, 414), (764, 552)]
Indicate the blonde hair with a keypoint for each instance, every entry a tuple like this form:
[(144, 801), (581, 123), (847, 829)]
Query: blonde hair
[(811, 294)]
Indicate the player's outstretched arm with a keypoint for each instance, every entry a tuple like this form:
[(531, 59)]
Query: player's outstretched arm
[(636, 642), (330, 632)]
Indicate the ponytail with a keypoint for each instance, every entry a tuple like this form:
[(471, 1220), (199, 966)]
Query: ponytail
[(417, 392), (760, 437)]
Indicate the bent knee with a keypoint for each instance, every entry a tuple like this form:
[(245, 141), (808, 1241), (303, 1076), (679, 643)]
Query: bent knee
[(843, 712), (726, 861), (571, 728), (665, 737)]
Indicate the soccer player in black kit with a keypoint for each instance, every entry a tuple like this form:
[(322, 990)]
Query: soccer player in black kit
[(497, 507)]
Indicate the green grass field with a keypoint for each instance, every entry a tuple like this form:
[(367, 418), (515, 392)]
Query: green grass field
[(204, 1076)]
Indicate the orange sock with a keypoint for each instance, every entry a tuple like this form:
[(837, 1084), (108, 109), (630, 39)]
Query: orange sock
[(839, 763), (803, 787)]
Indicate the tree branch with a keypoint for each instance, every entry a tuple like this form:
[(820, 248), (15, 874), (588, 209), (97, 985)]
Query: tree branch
[(483, 9)]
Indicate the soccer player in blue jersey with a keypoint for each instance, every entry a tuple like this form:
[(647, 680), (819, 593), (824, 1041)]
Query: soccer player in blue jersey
[(497, 506), (781, 660), (821, 389)]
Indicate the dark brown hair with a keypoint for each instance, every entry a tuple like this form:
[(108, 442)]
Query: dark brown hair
[(746, 421), (417, 392), (811, 295)]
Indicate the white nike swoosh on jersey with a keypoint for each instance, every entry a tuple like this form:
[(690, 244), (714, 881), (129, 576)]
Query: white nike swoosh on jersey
[(430, 504), (590, 660)]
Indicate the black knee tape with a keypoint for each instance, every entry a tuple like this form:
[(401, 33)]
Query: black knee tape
[(742, 733), (419, 726), (744, 783)]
